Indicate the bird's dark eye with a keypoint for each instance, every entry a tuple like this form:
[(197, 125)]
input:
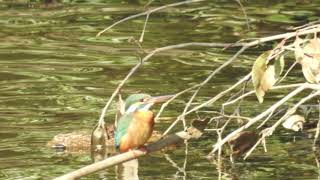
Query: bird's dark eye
[(141, 100)]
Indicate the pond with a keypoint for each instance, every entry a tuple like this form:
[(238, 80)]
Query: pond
[(56, 76)]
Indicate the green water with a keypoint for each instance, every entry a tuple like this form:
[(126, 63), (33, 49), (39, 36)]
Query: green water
[(55, 77)]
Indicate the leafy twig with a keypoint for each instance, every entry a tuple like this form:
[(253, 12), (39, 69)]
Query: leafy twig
[(244, 47), (292, 110), (265, 113)]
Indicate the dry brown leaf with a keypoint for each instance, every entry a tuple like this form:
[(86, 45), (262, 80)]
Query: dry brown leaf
[(200, 124), (268, 78), (294, 122), (308, 73), (312, 49), (310, 60), (242, 142)]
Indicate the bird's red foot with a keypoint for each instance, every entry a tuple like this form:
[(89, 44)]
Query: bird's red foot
[(143, 148), (137, 154)]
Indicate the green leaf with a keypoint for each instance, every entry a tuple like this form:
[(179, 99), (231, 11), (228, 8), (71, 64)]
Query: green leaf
[(259, 69), (298, 52), (279, 65)]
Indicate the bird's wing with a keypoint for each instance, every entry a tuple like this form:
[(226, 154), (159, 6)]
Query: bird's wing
[(122, 127)]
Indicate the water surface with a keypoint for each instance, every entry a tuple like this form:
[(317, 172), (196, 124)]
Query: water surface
[(55, 77)]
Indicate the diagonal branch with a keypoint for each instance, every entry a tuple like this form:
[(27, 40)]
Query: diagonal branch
[(244, 47), (146, 58), (191, 133), (284, 117), (212, 100)]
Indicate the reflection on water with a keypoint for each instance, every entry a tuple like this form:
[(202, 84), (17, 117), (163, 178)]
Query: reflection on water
[(55, 77), (128, 170)]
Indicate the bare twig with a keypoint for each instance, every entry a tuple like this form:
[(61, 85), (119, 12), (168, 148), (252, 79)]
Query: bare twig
[(215, 72), (265, 113), (244, 47), (318, 129), (182, 118), (222, 115), (289, 70), (144, 29), (267, 119), (164, 105), (254, 147), (148, 12), (186, 152), (205, 82), (173, 164), (148, 4), (292, 110), (244, 13), (146, 58), (252, 92), (310, 24)]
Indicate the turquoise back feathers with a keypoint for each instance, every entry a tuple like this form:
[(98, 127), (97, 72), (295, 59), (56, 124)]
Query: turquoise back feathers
[(126, 119), (137, 119), (122, 127)]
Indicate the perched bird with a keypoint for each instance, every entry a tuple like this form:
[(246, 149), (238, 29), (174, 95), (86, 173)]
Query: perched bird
[(135, 126)]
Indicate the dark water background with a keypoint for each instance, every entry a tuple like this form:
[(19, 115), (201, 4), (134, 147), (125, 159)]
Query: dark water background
[(55, 77)]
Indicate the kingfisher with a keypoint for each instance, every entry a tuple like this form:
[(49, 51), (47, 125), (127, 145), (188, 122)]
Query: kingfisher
[(135, 126)]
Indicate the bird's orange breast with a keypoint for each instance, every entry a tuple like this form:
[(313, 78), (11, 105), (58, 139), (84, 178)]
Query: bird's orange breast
[(139, 131)]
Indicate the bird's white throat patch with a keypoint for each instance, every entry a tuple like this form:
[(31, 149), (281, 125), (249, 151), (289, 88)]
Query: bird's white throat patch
[(139, 107)]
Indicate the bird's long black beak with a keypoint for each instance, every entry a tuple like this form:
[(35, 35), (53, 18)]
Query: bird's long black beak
[(158, 99)]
